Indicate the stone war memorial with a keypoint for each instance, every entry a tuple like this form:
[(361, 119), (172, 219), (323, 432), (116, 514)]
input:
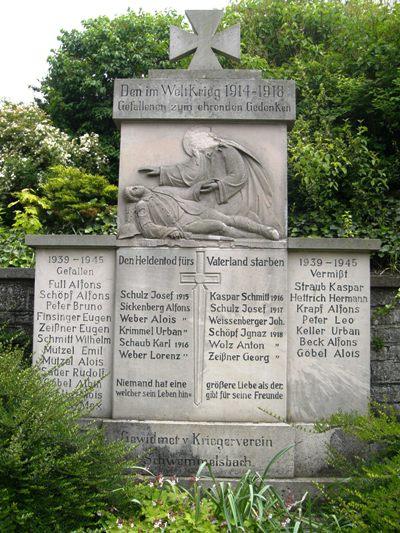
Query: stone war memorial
[(208, 334)]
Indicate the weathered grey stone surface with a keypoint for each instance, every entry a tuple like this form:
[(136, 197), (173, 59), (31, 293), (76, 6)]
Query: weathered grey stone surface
[(178, 448), (17, 288), (391, 316), (200, 334), (316, 243), (382, 352), (73, 322), (204, 41), (328, 334), (75, 241), (387, 393), (17, 273), (204, 99), (200, 337), (16, 298), (385, 281), (311, 453), (382, 296), (147, 145), (292, 489), (17, 301), (387, 371), (220, 189), (229, 74), (207, 241), (231, 449), (385, 336)]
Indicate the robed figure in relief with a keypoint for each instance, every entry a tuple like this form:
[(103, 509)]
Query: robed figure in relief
[(221, 178)]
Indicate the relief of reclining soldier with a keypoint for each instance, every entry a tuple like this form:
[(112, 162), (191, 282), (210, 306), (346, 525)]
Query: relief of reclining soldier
[(222, 189)]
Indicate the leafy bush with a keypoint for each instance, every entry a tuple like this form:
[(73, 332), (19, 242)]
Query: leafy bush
[(340, 188), (69, 201), (104, 223), (30, 144), (250, 504), (370, 497), (74, 197), (54, 474), (18, 338), (13, 250), (28, 218), (253, 504), (57, 475)]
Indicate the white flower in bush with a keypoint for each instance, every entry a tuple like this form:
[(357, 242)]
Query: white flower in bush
[(30, 144)]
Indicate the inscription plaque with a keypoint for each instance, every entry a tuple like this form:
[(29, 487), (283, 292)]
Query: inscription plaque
[(73, 320), (179, 448), (200, 334), (328, 334), (217, 99)]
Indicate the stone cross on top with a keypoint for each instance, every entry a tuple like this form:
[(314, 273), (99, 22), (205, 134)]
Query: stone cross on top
[(204, 41)]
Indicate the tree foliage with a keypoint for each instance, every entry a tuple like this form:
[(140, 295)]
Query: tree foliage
[(344, 159), (78, 90), (30, 144), (344, 152)]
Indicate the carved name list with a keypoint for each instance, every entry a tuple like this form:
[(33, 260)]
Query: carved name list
[(196, 339), (328, 348), (73, 320)]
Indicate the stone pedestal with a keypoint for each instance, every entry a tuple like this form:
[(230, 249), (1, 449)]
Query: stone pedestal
[(328, 333), (74, 316), (220, 354), (217, 339), (179, 448), (200, 334)]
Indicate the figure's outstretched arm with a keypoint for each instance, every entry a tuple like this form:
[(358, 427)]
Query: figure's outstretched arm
[(150, 171), (183, 174)]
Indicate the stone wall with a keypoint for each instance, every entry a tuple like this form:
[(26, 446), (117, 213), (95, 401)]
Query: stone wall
[(17, 297), (16, 309), (385, 339)]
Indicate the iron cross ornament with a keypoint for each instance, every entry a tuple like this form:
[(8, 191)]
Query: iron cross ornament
[(204, 41)]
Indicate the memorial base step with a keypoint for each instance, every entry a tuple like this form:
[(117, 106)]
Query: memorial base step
[(179, 448)]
